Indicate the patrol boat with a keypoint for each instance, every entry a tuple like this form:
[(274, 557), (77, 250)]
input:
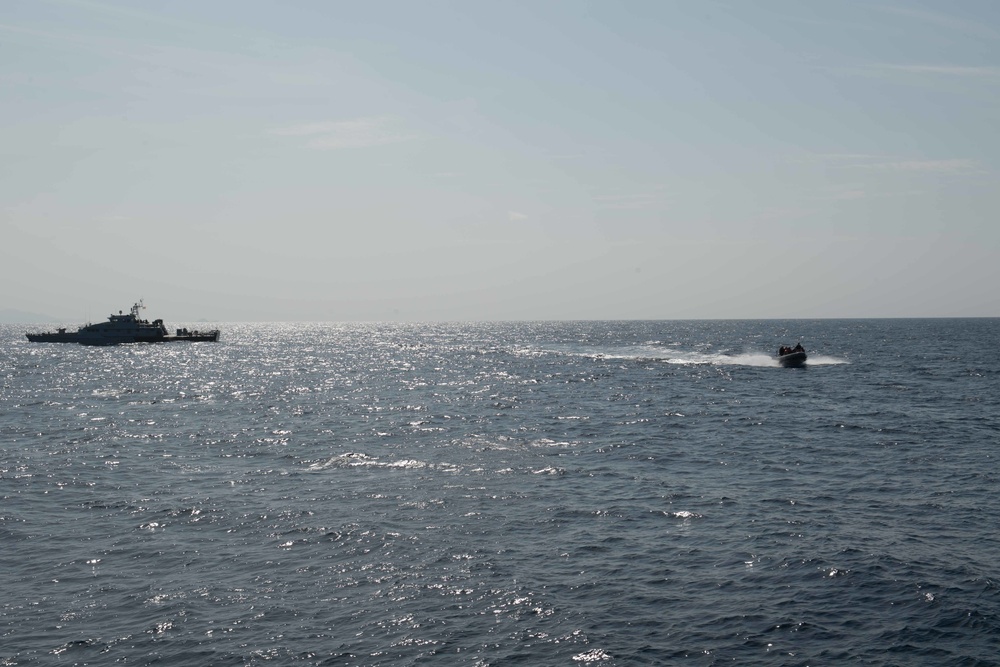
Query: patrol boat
[(123, 329)]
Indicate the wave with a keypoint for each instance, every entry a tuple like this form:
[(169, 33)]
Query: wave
[(358, 460)]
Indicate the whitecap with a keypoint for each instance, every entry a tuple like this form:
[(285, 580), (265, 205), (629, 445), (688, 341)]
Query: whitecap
[(593, 655)]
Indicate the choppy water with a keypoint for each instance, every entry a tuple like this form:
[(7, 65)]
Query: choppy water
[(613, 493)]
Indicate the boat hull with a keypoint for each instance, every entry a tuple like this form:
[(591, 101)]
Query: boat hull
[(100, 340), (792, 359), (53, 337)]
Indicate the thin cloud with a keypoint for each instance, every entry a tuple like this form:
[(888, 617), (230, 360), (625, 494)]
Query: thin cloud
[(355, 133), (953, 166), (945, 22), (946, 70), (74, 39), (849, 195), (939, 166), (859, 193), (888, 163), (514, 216), (118, 11), (632, 201), (846, 157)]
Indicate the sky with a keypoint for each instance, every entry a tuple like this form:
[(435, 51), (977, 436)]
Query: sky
[(423, 160)]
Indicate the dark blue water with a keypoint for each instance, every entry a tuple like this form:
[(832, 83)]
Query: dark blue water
[(609, 493)]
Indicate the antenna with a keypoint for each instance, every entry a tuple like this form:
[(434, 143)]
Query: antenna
[(136, 308)]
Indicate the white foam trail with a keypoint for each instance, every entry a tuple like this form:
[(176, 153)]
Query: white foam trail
[(358, 460), (748, 359), (765, 360), (650, 352), (821, 360)]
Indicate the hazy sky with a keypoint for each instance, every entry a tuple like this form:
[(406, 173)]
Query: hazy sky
[(471, 160)]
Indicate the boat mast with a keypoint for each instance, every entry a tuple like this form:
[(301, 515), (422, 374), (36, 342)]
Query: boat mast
[(136, 308)]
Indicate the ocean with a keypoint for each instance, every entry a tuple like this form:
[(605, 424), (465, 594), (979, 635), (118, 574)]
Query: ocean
[(530, 493)]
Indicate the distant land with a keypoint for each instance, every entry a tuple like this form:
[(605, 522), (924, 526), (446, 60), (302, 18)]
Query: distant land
[(14, 316)]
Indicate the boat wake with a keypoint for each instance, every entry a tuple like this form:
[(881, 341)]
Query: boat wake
[(767, 360), (670, 355)]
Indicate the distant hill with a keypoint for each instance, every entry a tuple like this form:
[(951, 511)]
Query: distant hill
[(14, 316)]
